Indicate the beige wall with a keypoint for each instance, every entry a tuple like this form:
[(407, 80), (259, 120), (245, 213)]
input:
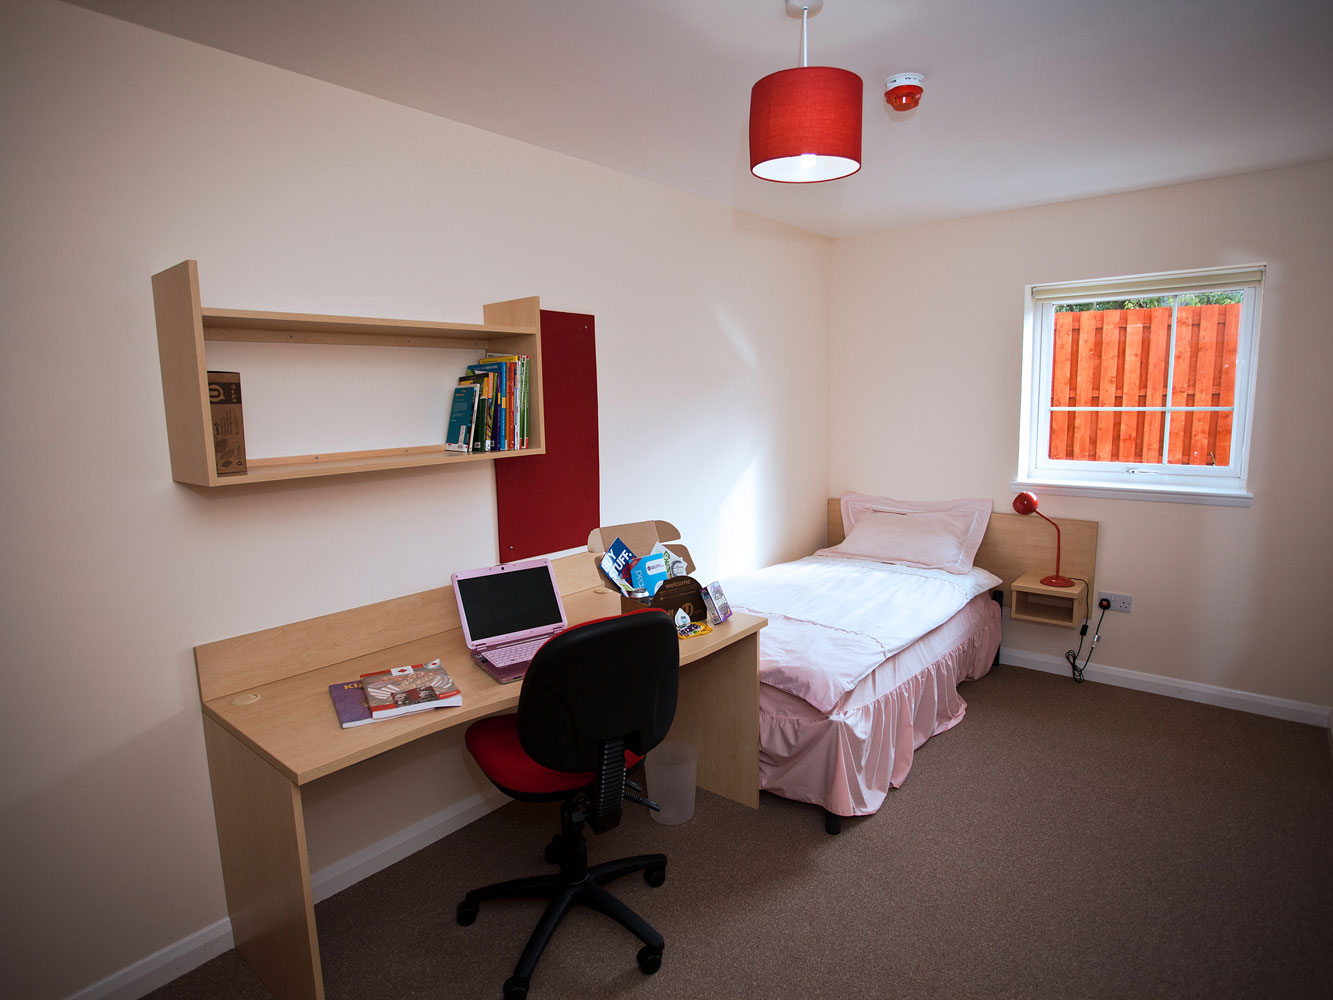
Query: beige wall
[(126, 151), (927, 330)]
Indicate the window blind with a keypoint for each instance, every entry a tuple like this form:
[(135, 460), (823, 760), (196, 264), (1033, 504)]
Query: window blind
[(1141, 285)]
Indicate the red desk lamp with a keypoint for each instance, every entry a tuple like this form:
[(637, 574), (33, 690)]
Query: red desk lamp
[(1026, 503)]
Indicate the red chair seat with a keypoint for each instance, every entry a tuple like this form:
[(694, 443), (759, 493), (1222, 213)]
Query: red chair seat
[(493, 743)]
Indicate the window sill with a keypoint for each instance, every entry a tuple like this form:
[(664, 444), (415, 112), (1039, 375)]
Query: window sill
[(1166, 494)]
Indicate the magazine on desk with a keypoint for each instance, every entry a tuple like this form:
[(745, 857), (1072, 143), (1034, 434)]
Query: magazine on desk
[(403, 690), (388, 694)]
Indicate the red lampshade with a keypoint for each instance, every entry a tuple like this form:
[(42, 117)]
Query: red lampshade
[(1025, 503), (805, 125)]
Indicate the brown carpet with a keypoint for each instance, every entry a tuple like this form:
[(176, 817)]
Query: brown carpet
[(1065, 841)]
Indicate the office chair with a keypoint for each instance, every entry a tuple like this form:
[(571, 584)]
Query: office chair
[(596, 698)]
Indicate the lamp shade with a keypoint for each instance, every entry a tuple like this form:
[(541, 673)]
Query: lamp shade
[(1025, 503), (805, 125)]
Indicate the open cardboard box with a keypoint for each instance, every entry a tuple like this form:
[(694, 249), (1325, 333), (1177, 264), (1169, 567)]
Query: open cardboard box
[(640, 536)]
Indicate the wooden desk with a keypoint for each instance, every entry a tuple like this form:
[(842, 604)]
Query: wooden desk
[(262, 750)]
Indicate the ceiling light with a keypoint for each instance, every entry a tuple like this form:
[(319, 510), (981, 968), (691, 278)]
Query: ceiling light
[(805, 123)]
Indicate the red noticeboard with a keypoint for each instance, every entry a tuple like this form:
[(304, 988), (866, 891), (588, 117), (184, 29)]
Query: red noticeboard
[(547, 503)]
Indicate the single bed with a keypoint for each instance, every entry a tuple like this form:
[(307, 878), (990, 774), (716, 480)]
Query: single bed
[(869, 638)]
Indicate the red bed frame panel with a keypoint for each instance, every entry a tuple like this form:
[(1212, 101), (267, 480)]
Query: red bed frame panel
[(548, 503)]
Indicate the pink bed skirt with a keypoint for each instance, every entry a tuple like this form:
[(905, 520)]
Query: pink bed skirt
[(848, 759)]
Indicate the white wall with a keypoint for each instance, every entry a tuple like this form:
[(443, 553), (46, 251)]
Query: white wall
[(927, 332), (127, 151)]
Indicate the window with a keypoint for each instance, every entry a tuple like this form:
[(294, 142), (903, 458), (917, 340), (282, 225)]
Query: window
[(1141, 386)]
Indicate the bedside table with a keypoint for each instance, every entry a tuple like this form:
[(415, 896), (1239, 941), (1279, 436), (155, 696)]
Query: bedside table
[(1033, 601)]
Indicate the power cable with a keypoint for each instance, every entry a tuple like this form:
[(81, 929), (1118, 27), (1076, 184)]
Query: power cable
[(1072, 655)]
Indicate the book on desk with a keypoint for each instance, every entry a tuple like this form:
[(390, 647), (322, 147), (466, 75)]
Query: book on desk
[(387, 694)]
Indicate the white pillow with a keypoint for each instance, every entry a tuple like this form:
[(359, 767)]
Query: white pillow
[(934, 534)]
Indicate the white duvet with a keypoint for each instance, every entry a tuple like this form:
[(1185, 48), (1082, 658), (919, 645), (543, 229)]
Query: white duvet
[(833, 619)]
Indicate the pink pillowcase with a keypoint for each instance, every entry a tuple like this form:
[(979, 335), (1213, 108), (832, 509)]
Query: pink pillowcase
[(933, 534)]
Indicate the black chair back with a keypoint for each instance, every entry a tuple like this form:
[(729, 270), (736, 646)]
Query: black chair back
[(607, 681)]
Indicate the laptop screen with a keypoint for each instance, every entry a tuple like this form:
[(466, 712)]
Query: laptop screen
[(508, 602)]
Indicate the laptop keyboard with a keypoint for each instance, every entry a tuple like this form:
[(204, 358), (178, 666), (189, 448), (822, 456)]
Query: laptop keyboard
[(518, 652)]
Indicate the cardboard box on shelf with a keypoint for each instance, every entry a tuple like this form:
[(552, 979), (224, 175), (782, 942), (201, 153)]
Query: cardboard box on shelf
[(640, 537), (224, 401)]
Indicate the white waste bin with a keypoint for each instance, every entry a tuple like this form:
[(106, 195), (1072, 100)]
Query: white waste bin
[(671, 766)]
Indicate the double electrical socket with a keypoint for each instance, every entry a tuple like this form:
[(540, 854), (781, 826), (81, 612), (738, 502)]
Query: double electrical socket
[(1119, 602)]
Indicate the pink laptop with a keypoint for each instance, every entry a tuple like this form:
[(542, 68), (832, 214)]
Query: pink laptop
[(507, 612)]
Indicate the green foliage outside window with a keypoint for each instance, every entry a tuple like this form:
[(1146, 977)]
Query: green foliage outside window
[(1195, 299)]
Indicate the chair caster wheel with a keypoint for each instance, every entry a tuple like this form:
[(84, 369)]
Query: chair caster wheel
[(515, 988), (655, 875), (466, 913), (650, 960)]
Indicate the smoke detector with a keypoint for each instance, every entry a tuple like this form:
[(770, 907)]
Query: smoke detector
[(903, 91)]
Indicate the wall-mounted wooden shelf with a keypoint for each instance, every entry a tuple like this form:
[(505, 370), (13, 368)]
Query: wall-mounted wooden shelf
[(184, 326), (1033, 601)]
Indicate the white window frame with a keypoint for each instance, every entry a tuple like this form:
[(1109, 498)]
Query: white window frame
[(1222, 485)]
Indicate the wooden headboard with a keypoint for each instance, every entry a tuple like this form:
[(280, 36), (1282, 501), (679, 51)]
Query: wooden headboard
[(1015, 544)]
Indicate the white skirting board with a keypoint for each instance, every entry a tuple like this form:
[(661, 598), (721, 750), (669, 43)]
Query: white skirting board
[(190, 952), (161, 967), (1208, 694), (406, 842)]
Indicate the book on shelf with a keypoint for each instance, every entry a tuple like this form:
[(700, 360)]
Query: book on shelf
[(462, 415), (523, 367), (349, 702), (499, 435), (402, 690), (481, 426), (509, 362), (517, 367)]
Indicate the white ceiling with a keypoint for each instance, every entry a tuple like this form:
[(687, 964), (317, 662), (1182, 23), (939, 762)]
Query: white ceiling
[(1026, 101)]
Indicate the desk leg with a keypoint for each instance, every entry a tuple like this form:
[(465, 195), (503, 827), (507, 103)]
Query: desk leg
[(261, 834), (717, 712)]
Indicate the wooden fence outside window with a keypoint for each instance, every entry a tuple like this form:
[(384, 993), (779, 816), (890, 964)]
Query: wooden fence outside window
[(1123, 359)]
